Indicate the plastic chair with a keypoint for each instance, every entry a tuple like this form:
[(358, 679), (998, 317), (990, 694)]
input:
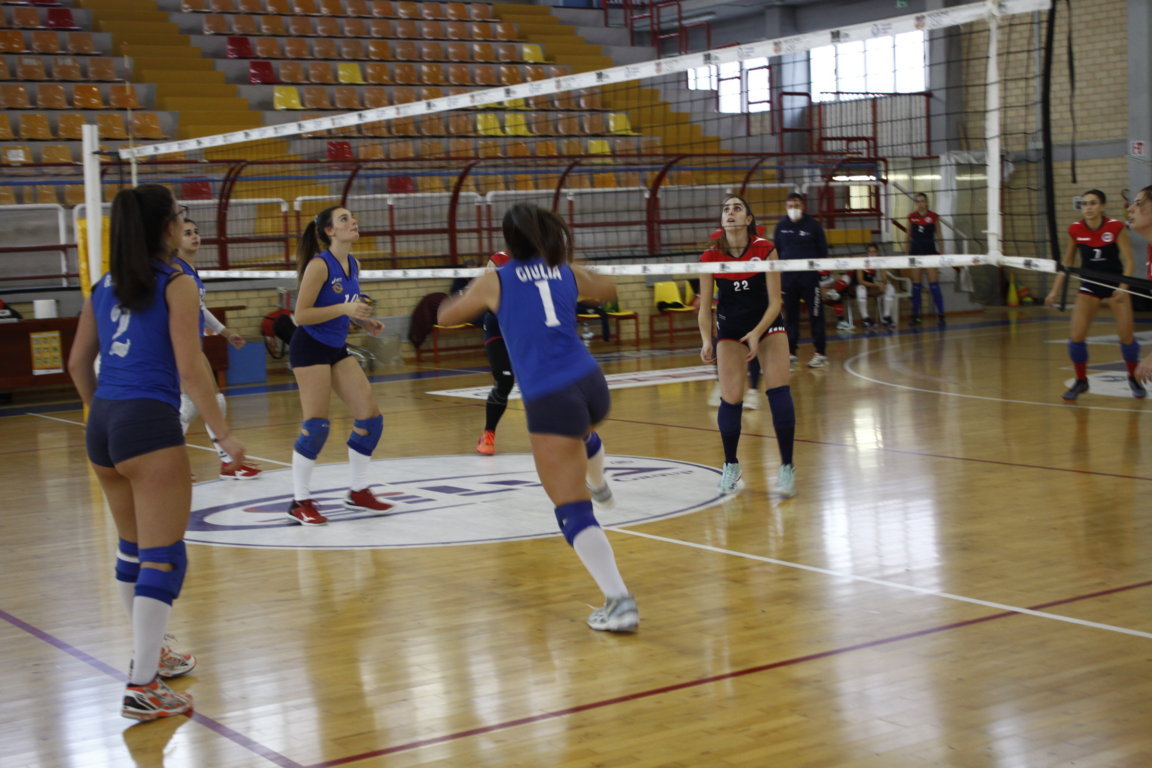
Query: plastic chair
[(34, 126), (502, 30), (60, 18), (669, 305), (355, 28), (42, 194), (457, 30), (432, 9), (482, 30), (507, 51), (297, 48), (433, 74), (377, 72), (214, 24), (432, 51), (432, 125), (51, 96), (326, 48), (346, 97), (300, 26), (534, 72), (329, 27), (222, 6), (516, 124), (619, 125), (532, 53), (292, 72), (58, 153), (402, 94), (593, 123), (14, 97), (383, 9), (286, 97), (373, 150), (110, 125), (12, 41), (406, 74), (66, 68), (250, 7), (30, 68), (272, 26), (8, 196), (122, 96), (102, 69), (348, 72), (456, 11), (27, 17), (488, 124), (379, 50), (81, 43), (481, 12), (321, 72), (404, 126), (339, 150), (238, 48), (243, 24), (6, 128), (432, 30), (510, 74), (264, 48), (261, 73), (460, 124), (406, 9), (406, 29), (194, 6), (68, 126), (280, 7), (484, 52), (333, 8), (358, 8), (459, 74), (486, 75), (305, 7), (315, 97), (146, 125), (406, 50)]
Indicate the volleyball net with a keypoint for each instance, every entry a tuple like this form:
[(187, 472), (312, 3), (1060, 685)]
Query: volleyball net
[(637, 157)]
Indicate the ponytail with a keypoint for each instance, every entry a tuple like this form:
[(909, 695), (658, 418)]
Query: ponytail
[(314, 239), (139, 223), (531, 231)]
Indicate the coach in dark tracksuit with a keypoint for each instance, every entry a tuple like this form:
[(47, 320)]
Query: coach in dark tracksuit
[(799, 236)]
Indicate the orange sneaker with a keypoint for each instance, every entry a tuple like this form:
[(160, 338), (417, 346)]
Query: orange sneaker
[(244, 471), (487, 443)]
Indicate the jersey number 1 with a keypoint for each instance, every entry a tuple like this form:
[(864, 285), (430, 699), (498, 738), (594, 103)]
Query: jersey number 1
[(550, 318)]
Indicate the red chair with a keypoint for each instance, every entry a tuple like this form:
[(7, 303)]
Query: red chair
[(60, 18), (196, 190), (261, 73), (340, 150), (238, 48)]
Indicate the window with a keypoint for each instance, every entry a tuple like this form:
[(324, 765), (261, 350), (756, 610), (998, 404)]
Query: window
[(740, 86), (894, 64)]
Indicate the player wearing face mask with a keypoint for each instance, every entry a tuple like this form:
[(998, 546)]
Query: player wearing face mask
[(799, 236)]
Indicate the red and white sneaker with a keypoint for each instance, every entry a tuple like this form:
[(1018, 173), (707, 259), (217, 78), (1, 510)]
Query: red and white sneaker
[(365, 501), (305, 513), (154, 700), (174, 663), (487, 443), (244, 471)]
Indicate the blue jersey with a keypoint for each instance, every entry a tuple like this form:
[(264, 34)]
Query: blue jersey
[(538, 319), (136, 357), (339, 288), (803, 239), (191, 270)]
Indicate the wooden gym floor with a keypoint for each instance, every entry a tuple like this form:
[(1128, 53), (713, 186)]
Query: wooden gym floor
[(964, 579)]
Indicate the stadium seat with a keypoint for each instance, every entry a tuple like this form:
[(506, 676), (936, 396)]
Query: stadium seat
[(260, 72), (459, 74), (370, 150), (507, 52), (214, 24), (339, 150), (406, 9), (404, 126), (300, 26), (377, 129), (381, 28), (402, 94), (405, 73), (8, 196), (263, 48), (346, 97), (568, 125), (481, 12), (251, 7), (238, 48), (502, 30), (27, 17), (618, 124), (329, 27), (457, 30), (321, 72), (222, 6), (82, 43), (12, 41), (34, 126), (484, 52), (406, 50), (13, 96), (433, 74), (541, 124), (379, 50), (30, 68), (6, 128), (333, 8), (102, 69), (15, 156), (272, 26), (593, 123), (460, 124), (531, 53), (286, 97), (146, 125), (243, 24), (58, 153), (432, 9), (348, 72), (382, 8), (74, 194), (357, 8), (515, 124), (377, 72), (52, 96), (511, 74), (458, 52), (432, 125), (456, 11), (432, 30), (355, 28), (68, 126), (122, 96), (194, 6), (87, 97), (42, 194), (352, 50), (305, 7), (488, 124), (66, 68), (432, 51), (297, 49), (486, 75), (279, 7), (534, 72), (293, 72), (326, 48), (60, 18), (315, 97), (110, 125)]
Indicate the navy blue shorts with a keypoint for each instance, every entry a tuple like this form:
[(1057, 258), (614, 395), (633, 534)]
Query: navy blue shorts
[(305, 350), (119, 430), (916, 248), (1104, 291), (491, 327), (571, 411), (734, 328)]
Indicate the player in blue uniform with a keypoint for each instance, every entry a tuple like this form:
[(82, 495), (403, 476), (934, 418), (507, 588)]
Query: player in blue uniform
[(1103, 246), (184, 259), (565, 394), (327, 303), (501, 366), (922, 242), (748, 325), (142, 321)]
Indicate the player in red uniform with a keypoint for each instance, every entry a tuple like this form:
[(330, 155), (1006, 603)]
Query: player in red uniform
[(1103, 246), (748, 325), (501, 366), (1140, 220), (922, 242)]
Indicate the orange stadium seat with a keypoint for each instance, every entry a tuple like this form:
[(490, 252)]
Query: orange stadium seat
[(432, 125), (14, 97), (381, 28), (222, 6), (405, 74), (110, 125), (273, 26), (6, 128), (346, 97), (432, 30), (402, 94), (382, 9), (433, 74), (34, 126), (12, 41), (481, 12), (379, 50), (243, 24), (279, 7), (263, 48), (300, 26), (297, 48), (53, 96), (194, 6), (320, 72), (315, 97), (325, 48), (375, 97), (432, 9), (122, 96), (30, 68), (486, 75), (355, 28), (329, 26), (404, 126), (146, 125), (58, 153), (81, 43), (357, 8), (406, 29), (333, 8), (352, 50), (377, 72), (8, 196), (214, 24), (503, 30), (458, 52), (507, 51), (432, 51), (305, 7), (27, 17), (370, 150), (484, 52), (459, 74), (457, 30), (67, 68), (511, 74), (68, 126), (293, 72), (406, 9)]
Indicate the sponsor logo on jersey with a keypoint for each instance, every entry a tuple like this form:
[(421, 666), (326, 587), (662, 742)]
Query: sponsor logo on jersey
[(439, 501), (1107, 237), (338, 285)]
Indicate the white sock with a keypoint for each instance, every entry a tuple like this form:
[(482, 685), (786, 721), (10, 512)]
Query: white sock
[(594, 550), (358, 463), (301, 476), (127, 592), (595, 476), (224, 457), (889, 300), (149, 623), (187, 412)]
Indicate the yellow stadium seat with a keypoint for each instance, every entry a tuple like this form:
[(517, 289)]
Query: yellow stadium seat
[(286, 97)]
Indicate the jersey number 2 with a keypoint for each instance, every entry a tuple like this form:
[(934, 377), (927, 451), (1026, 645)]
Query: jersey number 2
[(550, 318)]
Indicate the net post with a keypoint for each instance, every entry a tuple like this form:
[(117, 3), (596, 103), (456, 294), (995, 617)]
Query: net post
[(992, 129), (93, 202)]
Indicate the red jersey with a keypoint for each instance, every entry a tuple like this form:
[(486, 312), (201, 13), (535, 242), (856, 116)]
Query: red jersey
[(922, 232), (500, 258), (1098, 249), (741, 292)]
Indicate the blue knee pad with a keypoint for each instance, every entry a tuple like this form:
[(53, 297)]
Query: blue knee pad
[(313, 435), (1131, 352), (162, 585), (592, 444), (574, 518), (1078, 351), (365, 444), (128, 562)]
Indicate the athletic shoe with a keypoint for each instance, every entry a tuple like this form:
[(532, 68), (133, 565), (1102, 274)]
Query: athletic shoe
[(1079, 387), (786, 481), (916, 320), (714, 397), (1137, 388), (365, 501), (619, 614), (793, 361), (305, 513), (818, 361), (888, 322), (869, 323), (173, 663), (602, 496), (730, 478), (845, 325), (487, 443), (154, 700), (752, 399), (243, 472)]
